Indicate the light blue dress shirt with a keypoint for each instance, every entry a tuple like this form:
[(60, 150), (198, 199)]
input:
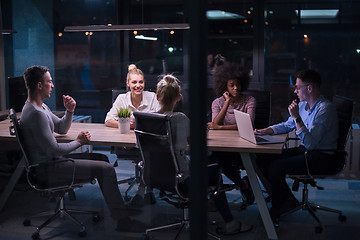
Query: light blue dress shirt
[(321, 125)]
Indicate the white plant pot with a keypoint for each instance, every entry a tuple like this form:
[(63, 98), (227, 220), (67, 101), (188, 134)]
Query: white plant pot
[(124, 125)]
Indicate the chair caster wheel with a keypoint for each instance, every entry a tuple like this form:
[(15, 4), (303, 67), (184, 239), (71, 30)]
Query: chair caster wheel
[(342, 218), (96, 219), (318, 229), (35, 236), (145, 237), (219, 230), (276, 223), (82, 233), (27, 222), (243, 206), (127, 198)]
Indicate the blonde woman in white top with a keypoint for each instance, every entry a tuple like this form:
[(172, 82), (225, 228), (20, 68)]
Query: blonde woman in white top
[(136, 99)]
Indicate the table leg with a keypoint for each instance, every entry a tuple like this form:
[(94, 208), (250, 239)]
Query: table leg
[(12, 182), (259, 198)]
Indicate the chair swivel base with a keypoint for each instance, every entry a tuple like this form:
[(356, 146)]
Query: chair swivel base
[(131, 181), (311, 207), (183, 224), (60, 212)]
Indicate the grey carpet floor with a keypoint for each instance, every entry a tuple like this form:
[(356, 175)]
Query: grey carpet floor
[(23, 202)]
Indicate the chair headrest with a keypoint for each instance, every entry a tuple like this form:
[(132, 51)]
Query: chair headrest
[(151, 122)]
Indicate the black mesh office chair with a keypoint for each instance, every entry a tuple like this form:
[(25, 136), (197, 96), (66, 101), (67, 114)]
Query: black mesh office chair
[(160, 167), (344, 107), (263, 107), (58, 190), (132, 154)]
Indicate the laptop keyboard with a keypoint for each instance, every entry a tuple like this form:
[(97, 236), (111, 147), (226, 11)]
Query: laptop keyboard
[(260, 139)]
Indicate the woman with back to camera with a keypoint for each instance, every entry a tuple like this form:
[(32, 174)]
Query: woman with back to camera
[(230, 80), (136, 100), (168, 94)]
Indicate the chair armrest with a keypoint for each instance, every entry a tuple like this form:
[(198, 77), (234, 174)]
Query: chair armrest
[(214, 186), (288, 139), (140, 164), (330, 151), (49, 188), (333, 153), (213, 165)]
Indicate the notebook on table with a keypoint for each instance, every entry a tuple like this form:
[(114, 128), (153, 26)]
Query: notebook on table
[(246, 131)]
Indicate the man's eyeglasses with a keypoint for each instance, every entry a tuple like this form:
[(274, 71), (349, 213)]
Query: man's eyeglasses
[(298, 87)]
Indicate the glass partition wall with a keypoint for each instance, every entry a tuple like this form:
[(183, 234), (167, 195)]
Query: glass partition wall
[(89, 64), (320, 35), (297, 34)]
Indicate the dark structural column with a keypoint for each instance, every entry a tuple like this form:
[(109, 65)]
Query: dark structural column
[(198, 151), (258, 53), (123, 17), (2, 68)]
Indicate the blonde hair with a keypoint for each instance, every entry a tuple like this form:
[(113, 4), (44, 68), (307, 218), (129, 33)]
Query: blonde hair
[(168, 90), (132, 69)]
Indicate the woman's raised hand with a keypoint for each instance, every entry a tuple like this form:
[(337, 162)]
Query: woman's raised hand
[(226, 95)]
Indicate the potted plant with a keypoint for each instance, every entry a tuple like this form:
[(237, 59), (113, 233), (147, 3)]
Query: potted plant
[(124, 120)]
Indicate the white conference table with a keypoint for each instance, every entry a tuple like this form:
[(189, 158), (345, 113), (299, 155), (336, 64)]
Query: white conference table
[(218, 140)]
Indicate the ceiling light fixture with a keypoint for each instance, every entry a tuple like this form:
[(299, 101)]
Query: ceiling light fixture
[(7, 31), (107, 28), (130, 27), (221, 15), (142, 37), (320, 13)]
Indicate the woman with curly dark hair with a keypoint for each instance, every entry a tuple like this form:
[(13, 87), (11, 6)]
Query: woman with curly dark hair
[(230, 80)]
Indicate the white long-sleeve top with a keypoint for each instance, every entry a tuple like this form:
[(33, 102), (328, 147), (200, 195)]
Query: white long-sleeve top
[(149, 103)]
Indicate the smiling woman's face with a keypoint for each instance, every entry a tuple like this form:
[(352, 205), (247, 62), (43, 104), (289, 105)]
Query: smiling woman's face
[(136, 83)]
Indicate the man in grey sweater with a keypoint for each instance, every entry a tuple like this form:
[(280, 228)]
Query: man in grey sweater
[(38, 124)]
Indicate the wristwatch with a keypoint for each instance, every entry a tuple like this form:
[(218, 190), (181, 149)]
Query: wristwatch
[(298, 119)]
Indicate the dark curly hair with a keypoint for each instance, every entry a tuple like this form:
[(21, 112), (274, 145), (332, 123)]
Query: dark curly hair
[(229, 71)]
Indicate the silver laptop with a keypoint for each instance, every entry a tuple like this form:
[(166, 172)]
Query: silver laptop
[(246, 131)]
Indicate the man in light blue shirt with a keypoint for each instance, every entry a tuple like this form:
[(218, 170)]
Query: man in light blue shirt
[(315, 120)]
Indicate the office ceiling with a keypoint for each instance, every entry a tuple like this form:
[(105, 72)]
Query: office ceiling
[(284, 8), (223, 2)]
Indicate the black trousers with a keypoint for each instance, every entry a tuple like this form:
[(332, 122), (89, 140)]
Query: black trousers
[(88, 166), (220, 199), (230, 163), (275, 167)]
